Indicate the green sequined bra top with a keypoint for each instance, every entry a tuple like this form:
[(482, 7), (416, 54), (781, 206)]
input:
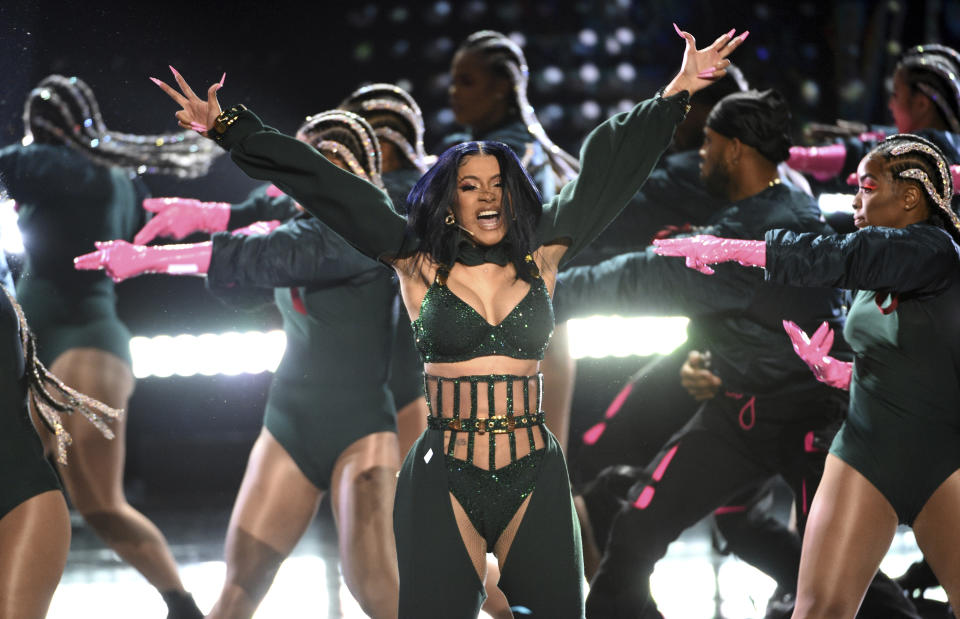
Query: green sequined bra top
[(448, 329)]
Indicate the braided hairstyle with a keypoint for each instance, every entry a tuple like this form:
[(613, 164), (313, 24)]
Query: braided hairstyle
[(913, 159), (62, 110), (504, 58), (395, 118), (342, 134), (934, 70)]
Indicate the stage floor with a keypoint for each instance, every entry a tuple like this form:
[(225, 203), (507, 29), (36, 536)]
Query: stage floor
[(691, 582)]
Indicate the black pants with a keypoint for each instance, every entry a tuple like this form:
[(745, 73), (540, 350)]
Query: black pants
[(543, 571), (651, 408), (733, 443)]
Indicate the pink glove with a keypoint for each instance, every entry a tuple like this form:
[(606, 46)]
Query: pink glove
[(257, 228), (180, 217), (122, 260), (704, 249), (822, 162), (814, 351)]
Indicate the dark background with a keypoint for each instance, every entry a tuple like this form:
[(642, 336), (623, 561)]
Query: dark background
[(288, 60)]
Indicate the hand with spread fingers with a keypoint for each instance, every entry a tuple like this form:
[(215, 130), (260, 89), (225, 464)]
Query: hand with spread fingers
[(180, 217), (196, 113), (122, 260), (704, 250), (815, 351), (700, 68)]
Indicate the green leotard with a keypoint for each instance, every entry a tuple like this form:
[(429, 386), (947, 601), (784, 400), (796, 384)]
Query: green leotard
[(66, 202)]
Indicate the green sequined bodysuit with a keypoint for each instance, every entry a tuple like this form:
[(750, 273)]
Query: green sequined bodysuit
[(449, 329)]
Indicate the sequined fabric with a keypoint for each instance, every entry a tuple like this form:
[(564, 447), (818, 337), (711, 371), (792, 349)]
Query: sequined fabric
[(491, 498), (448, 329)]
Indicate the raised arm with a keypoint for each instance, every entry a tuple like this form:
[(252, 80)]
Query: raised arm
[(354, 208), (618, 155), (300, 252)]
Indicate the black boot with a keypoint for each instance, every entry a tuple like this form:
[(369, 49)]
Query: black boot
[(180, 605)]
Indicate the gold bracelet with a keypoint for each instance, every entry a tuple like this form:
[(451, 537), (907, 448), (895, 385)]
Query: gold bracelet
[(227, 117)]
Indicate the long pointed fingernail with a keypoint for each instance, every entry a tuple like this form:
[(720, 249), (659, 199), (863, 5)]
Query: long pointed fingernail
[(679, 32), (156, 81), (706, 73), (174, 71), (223, 79), (743, 37), (197, 127), (732, 30)]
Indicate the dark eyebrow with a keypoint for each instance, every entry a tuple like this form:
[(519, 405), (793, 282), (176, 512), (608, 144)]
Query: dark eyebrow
[(476, 178)]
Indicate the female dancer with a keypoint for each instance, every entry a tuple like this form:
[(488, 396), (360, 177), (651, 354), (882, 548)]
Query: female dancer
[(329, 421), (75, 182), (475, 238), (896, 458)]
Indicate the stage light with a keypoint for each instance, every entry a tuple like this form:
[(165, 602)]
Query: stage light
[(439, 84), (589, 73), (587, 37), (228, 353), (590, 110), (550, 115), (810, 92), (363, 52), (612, 45), (552, 75), (835, 202), (445, 117), (474, 10), (626, 72), (625, 36), (439, 49), (437, 13), (399, 14), (10, 239), (616, 336), (518, 37)]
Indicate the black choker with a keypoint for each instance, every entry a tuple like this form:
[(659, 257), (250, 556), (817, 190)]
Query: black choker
[(472, 255)]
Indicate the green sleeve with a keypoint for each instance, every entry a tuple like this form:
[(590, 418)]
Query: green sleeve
[(920, 258), (355, 209), (645, 284), (615, 160), (260, 207)]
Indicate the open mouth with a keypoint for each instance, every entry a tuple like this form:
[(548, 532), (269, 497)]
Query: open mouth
[(488, 220)]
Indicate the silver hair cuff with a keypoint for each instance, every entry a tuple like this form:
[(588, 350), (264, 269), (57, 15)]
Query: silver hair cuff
[(361, 129), (943, 203), (184, 154), (64, 399)]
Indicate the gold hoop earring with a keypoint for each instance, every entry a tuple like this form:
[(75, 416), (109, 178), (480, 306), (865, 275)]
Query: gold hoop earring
[(450, 219)]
